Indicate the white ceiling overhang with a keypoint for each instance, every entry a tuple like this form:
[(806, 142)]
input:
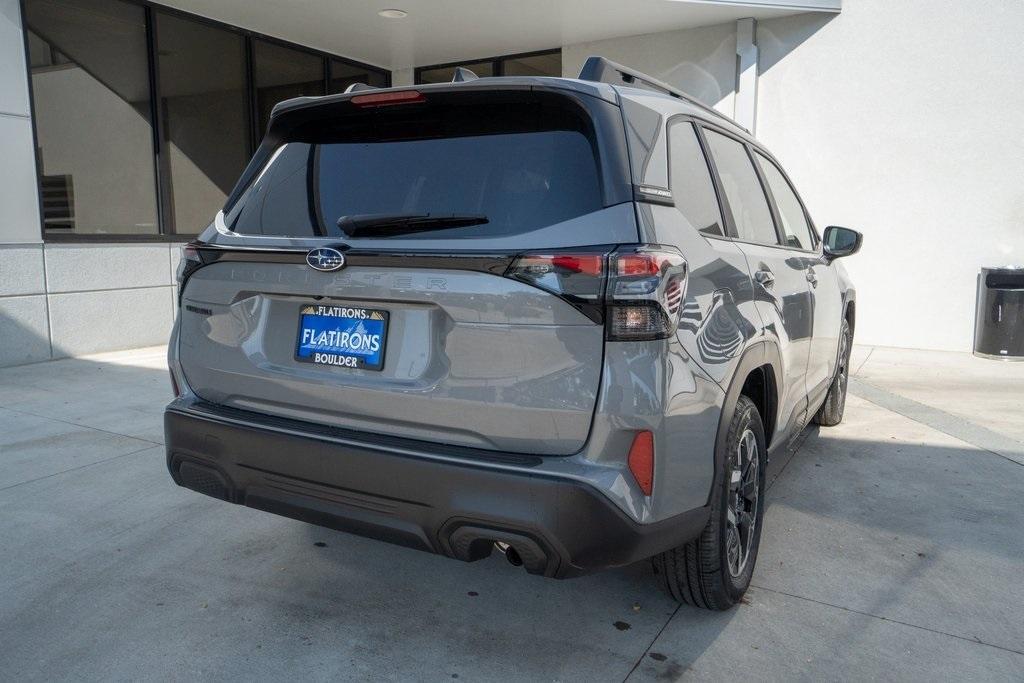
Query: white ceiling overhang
[(437, 31)]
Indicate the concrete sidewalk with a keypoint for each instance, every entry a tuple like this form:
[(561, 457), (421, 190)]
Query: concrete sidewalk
[(892, 549)]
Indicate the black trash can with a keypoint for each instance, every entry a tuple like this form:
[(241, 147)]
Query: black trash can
[(999, 320)]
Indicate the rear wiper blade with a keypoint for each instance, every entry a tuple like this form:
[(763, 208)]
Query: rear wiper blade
[(385, 224)]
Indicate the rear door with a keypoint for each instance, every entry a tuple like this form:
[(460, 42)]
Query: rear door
[(801, 240), (781, 291), (436, 334)]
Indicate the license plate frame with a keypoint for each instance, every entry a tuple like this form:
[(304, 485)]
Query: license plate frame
[(346, 320)]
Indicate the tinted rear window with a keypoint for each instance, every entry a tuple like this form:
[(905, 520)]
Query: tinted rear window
[(523, 165)]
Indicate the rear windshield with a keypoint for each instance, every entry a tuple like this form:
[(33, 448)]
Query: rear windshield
[(523, 166)]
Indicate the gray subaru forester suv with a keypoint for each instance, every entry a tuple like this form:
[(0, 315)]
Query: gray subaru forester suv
[(569, 319)]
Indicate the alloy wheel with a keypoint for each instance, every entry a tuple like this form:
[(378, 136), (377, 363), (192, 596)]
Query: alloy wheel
[(742, 511), (843, 372)]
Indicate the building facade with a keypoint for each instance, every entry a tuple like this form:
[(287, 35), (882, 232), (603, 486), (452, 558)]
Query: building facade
[(124, 124)]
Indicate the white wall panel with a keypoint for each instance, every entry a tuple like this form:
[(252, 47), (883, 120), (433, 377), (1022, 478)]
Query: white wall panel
[(13, 79), (902, 120)]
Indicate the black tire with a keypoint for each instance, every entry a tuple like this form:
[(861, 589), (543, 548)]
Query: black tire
[(831, 411), (702, 573)]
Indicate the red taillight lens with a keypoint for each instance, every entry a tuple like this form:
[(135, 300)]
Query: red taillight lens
[(647, 264), (191, 261), (641, 461), (387, 99), (588, 264), (577, 277)]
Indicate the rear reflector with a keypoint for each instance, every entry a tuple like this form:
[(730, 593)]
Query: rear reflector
[(387, 99), (641, 461)]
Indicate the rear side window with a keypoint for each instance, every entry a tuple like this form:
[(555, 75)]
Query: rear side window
[(524, 166), (743, 190), (794, 221), (690, 180)]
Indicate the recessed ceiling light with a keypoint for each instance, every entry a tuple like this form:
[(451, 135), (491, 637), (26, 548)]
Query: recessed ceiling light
[(393, 13)]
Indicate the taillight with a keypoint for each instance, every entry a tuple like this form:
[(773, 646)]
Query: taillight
[(645, 293), (577, 277), (641, 461), (636, 291), (190, 262)]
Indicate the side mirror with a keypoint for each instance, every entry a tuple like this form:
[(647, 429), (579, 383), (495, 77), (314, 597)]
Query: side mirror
[(839, 242)]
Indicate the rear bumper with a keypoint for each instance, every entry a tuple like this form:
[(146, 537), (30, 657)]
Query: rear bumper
[(559, 527)]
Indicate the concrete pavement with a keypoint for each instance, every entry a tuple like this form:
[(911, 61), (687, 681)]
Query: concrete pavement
[(892, 549)]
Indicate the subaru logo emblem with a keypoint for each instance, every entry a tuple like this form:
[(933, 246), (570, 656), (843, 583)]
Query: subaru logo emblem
[(325, 259)]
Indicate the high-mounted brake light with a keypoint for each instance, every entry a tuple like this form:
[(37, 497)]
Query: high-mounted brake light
[(387, 99)]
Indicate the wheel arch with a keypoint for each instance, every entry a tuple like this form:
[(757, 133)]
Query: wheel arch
[(758, 372), (850, 308)]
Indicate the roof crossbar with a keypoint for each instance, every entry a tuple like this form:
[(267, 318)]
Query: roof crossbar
[(602, 70)]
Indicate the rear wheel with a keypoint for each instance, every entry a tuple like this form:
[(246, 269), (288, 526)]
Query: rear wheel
[(831, 412), (714, 570)]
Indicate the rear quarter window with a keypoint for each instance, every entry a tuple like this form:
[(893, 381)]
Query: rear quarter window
[(690, 180)]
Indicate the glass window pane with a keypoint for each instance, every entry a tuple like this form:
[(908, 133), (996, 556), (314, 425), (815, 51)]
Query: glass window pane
[(344, 74), (521, 170), (445, 74), (90, 95), (794, 222), (282, 73), (537, 65), (743, 190), (690, 178), (205, 118)]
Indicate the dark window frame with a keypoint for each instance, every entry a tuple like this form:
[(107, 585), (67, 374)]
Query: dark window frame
[(724, 214), (151, 11), (756, 151), (752, 150), (497, 63), (769, 200)]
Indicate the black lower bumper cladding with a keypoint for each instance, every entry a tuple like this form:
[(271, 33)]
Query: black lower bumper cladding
[(557, 527)]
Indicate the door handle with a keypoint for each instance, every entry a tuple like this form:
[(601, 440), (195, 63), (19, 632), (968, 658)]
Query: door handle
[(812, 278), (765, 278)]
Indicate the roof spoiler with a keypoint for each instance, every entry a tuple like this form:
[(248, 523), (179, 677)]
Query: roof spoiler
[(602, 70), (462, 74)]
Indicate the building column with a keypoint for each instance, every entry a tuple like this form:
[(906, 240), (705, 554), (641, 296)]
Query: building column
[(24, 318), (745, 111)]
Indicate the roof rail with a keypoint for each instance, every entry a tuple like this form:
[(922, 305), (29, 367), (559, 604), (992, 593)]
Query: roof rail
[(462, 74), (358, 87), (603, 70)]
